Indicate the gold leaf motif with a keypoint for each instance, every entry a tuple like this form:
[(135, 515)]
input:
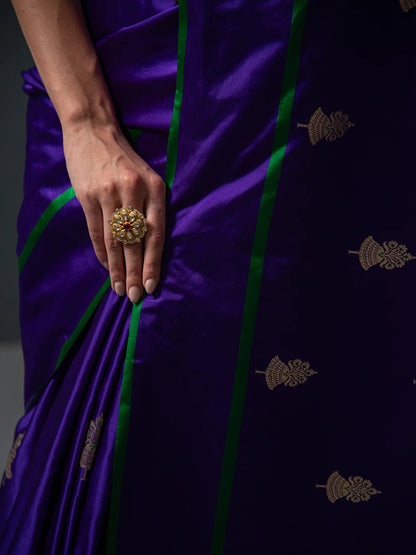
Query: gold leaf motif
[(390, 255), (8, 475), (407, 5), (91, 442), (329, 128), (355, 489), (293, 373)]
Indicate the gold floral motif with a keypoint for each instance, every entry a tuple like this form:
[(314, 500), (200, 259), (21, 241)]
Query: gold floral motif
[(407, 5), (128, 225), (354, 489), (390, 255), (10, 459), (91, 442), (291, 374), (329, 128)]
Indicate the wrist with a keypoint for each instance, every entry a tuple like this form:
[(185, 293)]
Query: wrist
[(90, 131), (82, 98), (76, 117)]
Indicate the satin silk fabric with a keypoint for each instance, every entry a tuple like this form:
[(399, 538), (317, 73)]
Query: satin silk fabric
[(316, 303), (144, 97)]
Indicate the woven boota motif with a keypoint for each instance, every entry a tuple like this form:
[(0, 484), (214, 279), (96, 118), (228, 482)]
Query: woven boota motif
[(330, 128), (407, 5), (91, 442), (8, 474), (291, 374), (389, 255), (354, 489)]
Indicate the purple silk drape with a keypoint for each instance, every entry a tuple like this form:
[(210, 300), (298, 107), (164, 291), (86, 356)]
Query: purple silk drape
[(322, 451)]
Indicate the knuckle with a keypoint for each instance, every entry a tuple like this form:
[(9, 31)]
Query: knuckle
[(158, 209), (108, 188), (117, 272), (88, 196), (129, 180), (157, 184), (156, 238), (133, 275), (96, 235), (112, 244), (101, 255), (152, 267), (132, 249)]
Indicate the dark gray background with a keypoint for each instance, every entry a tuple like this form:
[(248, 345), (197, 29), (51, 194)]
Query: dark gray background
[(14, 56)]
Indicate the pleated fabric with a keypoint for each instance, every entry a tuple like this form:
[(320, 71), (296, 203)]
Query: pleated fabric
[(261, 401)]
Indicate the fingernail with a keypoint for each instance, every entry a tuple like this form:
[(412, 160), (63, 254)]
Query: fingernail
[(134, 294), (150, 286), (120, 288), (105, 264)]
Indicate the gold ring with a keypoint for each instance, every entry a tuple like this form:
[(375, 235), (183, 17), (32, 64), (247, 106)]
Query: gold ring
[(128, 225)]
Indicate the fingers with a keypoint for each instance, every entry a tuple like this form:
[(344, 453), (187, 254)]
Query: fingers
[(133, 193), (143, 269), (94, 217), (114, 252), (106, 173), (132, 267), (155, 235)]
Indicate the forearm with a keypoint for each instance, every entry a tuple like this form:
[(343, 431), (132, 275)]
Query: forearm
[(104, 169), (56, 33)]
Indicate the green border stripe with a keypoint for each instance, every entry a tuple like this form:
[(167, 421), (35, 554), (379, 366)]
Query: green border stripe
[(71, 340), (172, 150), (43, 221), (122, 430), (127, 383), (81, 324), (133, 133), (54, 207), (255, 275)]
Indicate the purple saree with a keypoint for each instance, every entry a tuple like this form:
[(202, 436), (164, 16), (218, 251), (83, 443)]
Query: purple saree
[(261, 400)]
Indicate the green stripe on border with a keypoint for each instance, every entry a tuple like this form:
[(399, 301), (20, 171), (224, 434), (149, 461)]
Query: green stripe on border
[(41, 224), (255, 275), (133, 133), (54, 207), (73, 337), (127, 383), (122, 430), (172, 150), (81, 324)]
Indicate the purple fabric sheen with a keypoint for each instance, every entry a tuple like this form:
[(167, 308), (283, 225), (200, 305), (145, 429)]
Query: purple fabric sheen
[(45, 171), (44, 281), (143, 89), (316, 302), (57, 285), (105, 17), (142, 78), (46, 507), (182, 389)]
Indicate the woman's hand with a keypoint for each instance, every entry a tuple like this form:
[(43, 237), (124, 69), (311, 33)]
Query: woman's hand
[(106, 173)]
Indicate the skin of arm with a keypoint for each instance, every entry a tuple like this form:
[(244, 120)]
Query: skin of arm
[(104, 170)]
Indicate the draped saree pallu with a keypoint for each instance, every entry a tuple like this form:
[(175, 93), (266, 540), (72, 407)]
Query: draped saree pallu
[(261, 401)]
